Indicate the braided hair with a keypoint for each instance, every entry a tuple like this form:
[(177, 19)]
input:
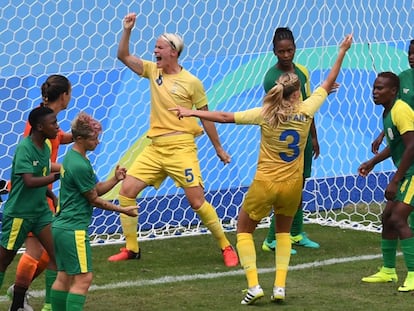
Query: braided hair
[(282, 33)]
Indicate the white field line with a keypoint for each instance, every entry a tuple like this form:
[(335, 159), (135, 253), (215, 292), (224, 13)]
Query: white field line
[(193, 277)]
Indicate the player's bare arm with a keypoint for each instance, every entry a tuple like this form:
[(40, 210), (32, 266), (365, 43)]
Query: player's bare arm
[(132, 62), (105, 186), (95, 200), (212, 134), (35, 182), (366, 167)]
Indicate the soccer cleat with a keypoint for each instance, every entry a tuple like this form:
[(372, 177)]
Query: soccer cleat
[(385, 275), (230, 256), (125, 254), (303, 240), (26, 306), (278, 294), (408, 285), (252, 294), (271, 247), (47, 307)]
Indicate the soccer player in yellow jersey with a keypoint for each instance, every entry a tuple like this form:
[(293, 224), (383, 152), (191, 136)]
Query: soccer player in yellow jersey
[(173, 151), (284, 48), (285, 121)]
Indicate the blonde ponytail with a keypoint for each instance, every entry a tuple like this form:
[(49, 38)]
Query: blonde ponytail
[(277, 103)]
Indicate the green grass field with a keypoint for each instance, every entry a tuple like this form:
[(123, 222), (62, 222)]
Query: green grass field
[(187, 273)]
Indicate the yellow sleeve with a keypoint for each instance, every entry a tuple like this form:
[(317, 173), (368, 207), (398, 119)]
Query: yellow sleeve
[(306, 73), (251, 116), (403, 117), (314, 102)]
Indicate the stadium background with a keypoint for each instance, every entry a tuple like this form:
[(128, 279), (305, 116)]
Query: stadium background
[(228, 46)]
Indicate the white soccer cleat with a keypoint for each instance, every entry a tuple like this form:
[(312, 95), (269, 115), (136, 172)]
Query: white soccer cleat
[(252, 294), (278, 294)]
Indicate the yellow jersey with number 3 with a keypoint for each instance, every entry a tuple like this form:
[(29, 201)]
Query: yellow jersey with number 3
[(281, 149)]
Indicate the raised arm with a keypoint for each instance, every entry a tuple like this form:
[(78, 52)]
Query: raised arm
[(132, 62), (329, 83)]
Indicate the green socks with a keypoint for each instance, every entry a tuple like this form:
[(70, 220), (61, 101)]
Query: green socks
[(58, 299), (389, 252), (407, 247), (49, 280), (271, 232), (75, 302), (1, 279), (297, 224), (64, 301)]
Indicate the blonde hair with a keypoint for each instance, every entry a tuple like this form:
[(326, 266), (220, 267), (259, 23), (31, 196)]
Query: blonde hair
[(175, 41), (277, 104)]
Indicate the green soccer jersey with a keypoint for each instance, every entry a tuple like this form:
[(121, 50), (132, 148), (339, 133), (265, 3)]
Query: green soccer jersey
[(76, 177), (25, 202), (406, 92), (397, 122), (273, 74)]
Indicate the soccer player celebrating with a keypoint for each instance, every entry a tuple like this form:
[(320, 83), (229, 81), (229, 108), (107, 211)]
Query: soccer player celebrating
[(172, 151), (398, 123), (79, 193), (26, 209), (285, 121), (284, 48)]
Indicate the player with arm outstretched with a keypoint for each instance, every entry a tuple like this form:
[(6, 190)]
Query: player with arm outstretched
[(285, 122), (172, 151), (284, 48)]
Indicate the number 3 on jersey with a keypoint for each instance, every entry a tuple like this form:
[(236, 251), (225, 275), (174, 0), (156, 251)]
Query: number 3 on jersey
[(293, 145)]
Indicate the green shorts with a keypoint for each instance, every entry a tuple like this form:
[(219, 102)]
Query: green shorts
[(72, 251), (15, 230), (263, 196), (174, 156), (405, 192)]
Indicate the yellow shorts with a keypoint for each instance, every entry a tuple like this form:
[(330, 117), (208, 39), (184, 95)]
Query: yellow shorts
[(284, 197), (174, 156)]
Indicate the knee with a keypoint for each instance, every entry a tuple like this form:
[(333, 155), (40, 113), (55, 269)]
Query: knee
[(130, 187), (82, 283), (196, 204)]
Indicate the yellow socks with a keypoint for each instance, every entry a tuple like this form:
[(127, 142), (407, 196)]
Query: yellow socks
[(247, 255), (210, 219), (129, 224), (282, 258)]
